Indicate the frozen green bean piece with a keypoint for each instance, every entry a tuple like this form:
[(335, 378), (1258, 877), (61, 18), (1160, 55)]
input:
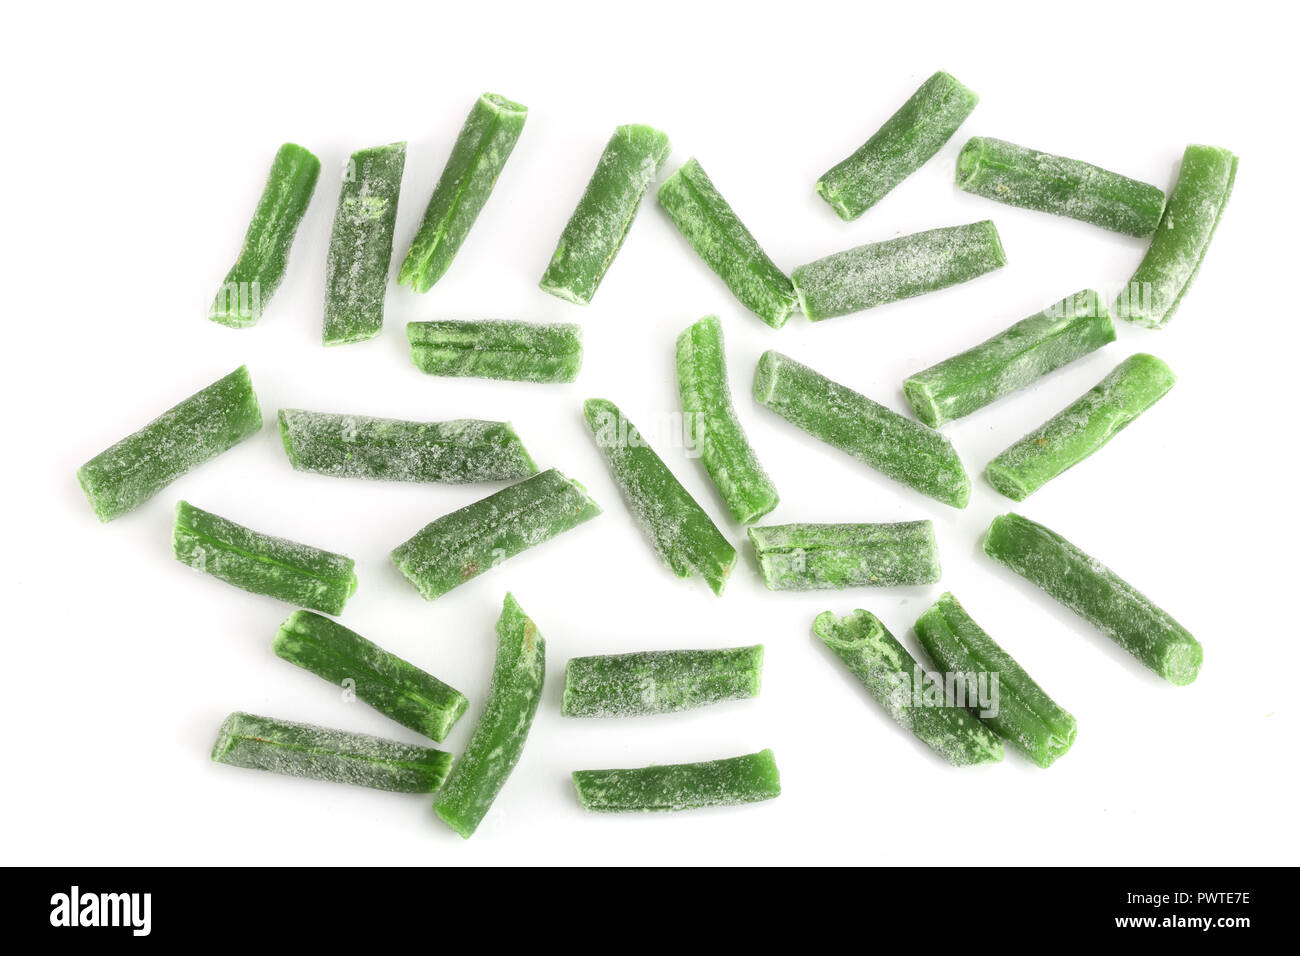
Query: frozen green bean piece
[(1024, 715), (305, 750), (1178, 247), (212, 420), (394, 687), (357, 446), (605, 212), (726, 246), (1072, 435), (659, 682), (899, 148), (807, 557), (996, 169), (293, 572), (1097, 594), (515, 351), (683, 786), (883, 272), (682, 534), (502, 728), (361, 244), (893, 445), (463, 544), (911, 697), (1010, 360), (477, 158), (262, 261), (711, 425)]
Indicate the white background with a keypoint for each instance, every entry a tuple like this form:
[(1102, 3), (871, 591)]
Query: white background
[(135, 149)]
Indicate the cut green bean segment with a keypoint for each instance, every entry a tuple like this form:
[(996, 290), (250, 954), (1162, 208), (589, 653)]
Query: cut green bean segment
[(904, 450), (659, 682), (515, 351), (726, 246), (262, 261), (502, 728), (1097, 594), (605, 212), (683, 786), (899, 148), (682, 534), (996, 169), (357, 446), (807, 557), (477, 158), (911, 697), (392, 686), (361, 245), (212, 420), (305, 750), (883, 272), (1022, 713), (1010, 360), (463, 544), (711, 425), (1072, 435), (1178, 247)]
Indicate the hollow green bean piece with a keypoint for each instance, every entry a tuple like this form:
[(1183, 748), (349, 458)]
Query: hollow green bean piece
[(911, 697), (515, 351), (1025, 716), (392, 686), (807, 557), (361, 245), (357, 446), (262, 261), (605, 212), (1072, 435), (883, 272), (899, 148), (1178, 247), (502, 728), (463, 544), (212, 420), (1097, 594), (480, 153), (659, 682), (996, 169), (683, 786), (895, 446), (682, 534), (1010, 360), (711, 426), (726, 246), (293, 572), (305, 750)]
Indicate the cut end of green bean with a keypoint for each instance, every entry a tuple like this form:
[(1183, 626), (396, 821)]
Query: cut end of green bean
[(687, 786)]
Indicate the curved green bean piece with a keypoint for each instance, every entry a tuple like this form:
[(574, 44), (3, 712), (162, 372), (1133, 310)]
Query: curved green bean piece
[(1073, 434), (498, 739), (683, 786), (659, 682), (1024, 715), (1097, 594), (515, 351), (262, 261), (806, 557), (711, 425)]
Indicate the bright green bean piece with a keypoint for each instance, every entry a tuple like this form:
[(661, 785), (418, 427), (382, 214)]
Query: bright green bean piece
[(683, 786), (1072, 435), (515, 351), (659, 682), (807, 557)]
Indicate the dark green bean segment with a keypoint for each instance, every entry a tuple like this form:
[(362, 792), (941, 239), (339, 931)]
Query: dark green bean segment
[(683, 786), (1010, 360), (1022, 713), (1097, 594), (996, 169), (659, 682), (391, 685), (515, 351), (807, 557), (899, 148)]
